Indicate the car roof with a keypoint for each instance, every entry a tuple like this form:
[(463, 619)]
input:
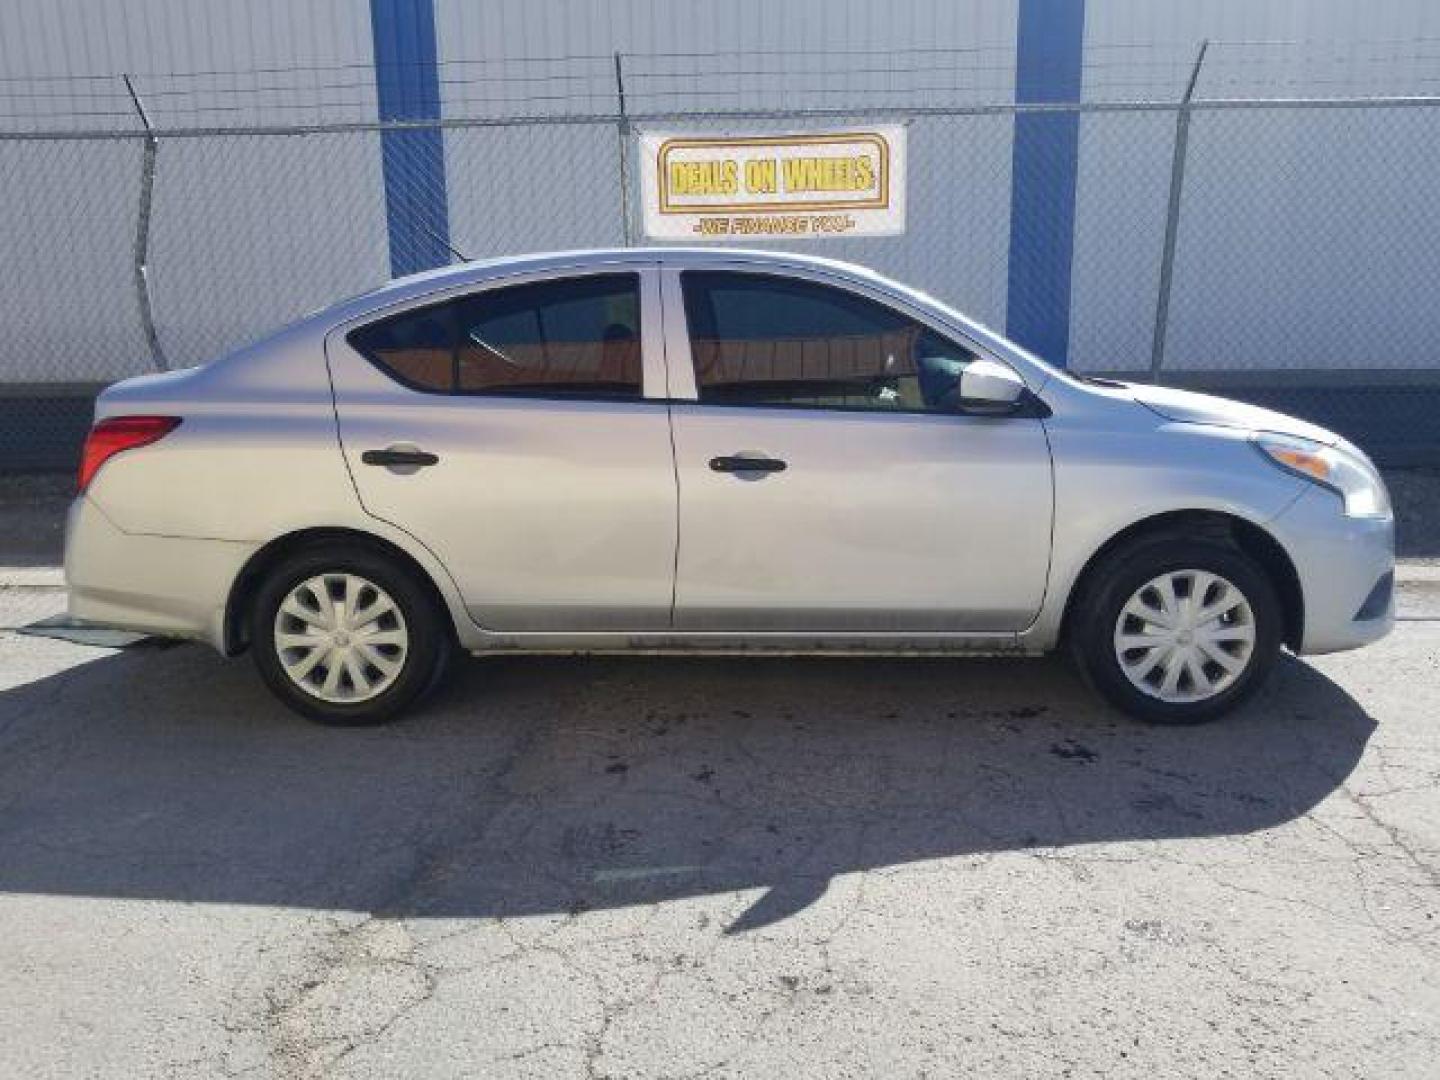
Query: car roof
[(689, 256), (441, 279), (478, 270)]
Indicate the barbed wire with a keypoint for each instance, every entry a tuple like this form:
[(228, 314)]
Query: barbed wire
[(583, 84)]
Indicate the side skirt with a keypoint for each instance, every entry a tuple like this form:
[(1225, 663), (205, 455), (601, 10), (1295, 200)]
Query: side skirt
[(759, 644)]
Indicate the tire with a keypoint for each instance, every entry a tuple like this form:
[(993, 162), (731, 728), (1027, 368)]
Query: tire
[(1117, 659), (382, 666)]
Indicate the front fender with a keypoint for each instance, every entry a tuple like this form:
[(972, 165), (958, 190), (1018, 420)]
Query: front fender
[(1108, 481)]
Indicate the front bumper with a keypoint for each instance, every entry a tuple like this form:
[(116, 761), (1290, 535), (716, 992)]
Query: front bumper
[(165, 585), (1343, 564)]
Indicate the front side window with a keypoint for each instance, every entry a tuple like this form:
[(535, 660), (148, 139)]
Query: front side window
[(760, 339), (578, 337)]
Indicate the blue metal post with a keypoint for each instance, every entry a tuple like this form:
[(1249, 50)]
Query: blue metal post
[(1050, 40), (407, 85)]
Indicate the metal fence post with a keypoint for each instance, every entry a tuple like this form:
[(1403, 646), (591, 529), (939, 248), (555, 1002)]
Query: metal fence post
[(1172, 217), (142, 231), (622, 132)]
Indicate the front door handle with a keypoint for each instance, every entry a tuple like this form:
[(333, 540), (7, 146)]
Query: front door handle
[(740, 463), (396, 456)]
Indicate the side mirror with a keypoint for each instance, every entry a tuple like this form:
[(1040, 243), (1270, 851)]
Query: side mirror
[(990, 389)]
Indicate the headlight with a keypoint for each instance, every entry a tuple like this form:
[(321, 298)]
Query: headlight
[(1349, 474)]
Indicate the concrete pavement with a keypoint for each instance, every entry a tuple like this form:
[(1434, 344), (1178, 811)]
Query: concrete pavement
[(665, 868)]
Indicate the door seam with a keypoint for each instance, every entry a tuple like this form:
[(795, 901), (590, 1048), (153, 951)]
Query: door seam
[(674, 453)]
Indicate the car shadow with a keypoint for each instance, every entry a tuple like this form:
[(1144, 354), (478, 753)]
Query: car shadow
[(560, 785)]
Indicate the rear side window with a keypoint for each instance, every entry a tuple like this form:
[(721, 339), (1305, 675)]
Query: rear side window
[(760, 339), (577, 337), (417, 348)]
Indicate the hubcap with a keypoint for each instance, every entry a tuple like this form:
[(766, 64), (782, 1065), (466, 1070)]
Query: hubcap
[(1186, 635), (341, 638)]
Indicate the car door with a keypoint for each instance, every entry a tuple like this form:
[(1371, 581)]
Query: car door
[(519, 431), (828, 482)]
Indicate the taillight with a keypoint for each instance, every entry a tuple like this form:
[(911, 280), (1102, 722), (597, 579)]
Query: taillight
[(119, 433)]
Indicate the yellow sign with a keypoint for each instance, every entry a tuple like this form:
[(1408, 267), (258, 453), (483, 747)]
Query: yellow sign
[(848, 183)]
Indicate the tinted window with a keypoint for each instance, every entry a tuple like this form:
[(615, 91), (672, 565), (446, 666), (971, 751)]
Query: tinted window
[(579, 336), (575, 336), (763, 340), (418, 348)]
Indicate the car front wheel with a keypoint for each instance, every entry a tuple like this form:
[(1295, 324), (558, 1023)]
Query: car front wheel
[(1177, 631), (344, 636)]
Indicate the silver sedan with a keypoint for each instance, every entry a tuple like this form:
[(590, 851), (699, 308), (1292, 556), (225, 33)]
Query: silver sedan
[(709, 450)]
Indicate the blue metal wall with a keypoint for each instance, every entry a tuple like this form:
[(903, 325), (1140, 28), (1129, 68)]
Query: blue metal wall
[(1049, 46)]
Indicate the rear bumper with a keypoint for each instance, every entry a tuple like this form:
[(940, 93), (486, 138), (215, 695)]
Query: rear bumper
[(165, 585), (1346, 568)]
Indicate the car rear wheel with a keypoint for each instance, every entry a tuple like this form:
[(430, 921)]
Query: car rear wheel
[(345, 636), (1177, 631)]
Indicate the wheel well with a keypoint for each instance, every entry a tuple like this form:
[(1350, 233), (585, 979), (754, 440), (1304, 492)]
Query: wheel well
[(1249, 538), (242, 592)]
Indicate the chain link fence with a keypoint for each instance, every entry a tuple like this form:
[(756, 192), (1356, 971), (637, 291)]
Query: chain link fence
[(1277, 249)]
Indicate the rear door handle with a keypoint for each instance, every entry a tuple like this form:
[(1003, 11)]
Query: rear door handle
[(739, 463), (415, 458)]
